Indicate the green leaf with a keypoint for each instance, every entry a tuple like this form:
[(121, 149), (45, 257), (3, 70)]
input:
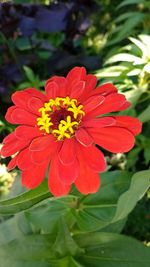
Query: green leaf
[(130, 2), (116, 227), (14, 228), (25, 200), (33, 250), (47, 215), (139, 185), (64, 244), (133, 157), (125, 16), (6, 233), (133, 95), (29, 73), (23, 43), (147, 154), (114, 201), (23, 85), (96, 211), (140, 45), (106, 249), (69, 262), (127, 27), (98, 249), (145, 115), (44, 54)]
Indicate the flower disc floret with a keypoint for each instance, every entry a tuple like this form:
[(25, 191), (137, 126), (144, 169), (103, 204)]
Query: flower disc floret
[(61, 117)]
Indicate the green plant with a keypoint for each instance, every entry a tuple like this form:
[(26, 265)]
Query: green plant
[(134, 16), (130, 69), (31, 80), (74, 230)]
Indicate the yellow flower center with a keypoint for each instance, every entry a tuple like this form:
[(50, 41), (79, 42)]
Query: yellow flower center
[(61, 117)]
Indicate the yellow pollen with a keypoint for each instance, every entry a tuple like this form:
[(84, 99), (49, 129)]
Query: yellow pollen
[(65, 127), (76, 110)]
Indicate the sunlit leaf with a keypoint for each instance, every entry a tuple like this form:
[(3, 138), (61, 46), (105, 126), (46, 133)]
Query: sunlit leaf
[(125, 57), (133, 95), (134, 72), (146, 40), (113, 71), (140, 45), (147, 68)]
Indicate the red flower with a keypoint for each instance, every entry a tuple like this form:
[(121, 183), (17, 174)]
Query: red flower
[(62, 128)]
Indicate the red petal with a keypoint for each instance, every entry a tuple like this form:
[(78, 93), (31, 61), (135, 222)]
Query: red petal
[(24, 159), (91, 82), (77, 89), (27, 132), (35, 93), (83, 137), (57, 188), (21, 116), (52, 90), (111, 103), (41, 143), (132, 124), (12, 164), (68, 173), (47, 153), (9, 138), (62, 84), (39, 156), (88, 181), (126, 105), (31, 178), (25, 100), (8, 115), (113, 139), (77, 73), (12, 147), (20, 99), (93, 157), (105, 89), (67, 153), (99, 122), (92, 103), (34, 104)]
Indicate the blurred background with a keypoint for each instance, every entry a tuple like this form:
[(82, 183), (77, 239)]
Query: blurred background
[(111, 38)]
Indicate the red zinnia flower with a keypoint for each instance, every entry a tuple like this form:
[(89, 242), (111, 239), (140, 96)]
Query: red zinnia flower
[(62, 128)]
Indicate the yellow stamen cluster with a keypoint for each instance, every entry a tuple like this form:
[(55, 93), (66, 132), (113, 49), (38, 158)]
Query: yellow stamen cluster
[(66, 128)]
